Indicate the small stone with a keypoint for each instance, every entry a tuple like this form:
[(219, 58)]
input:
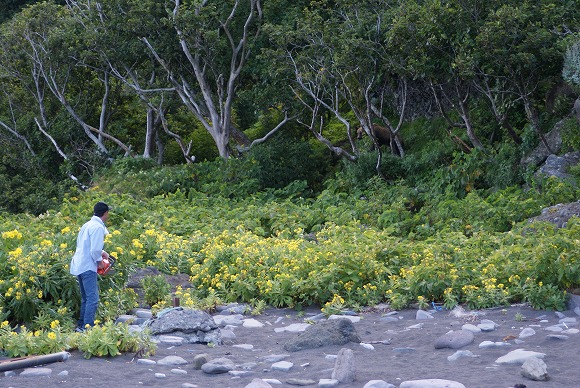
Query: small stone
[(527, 332), (460, 353), (557, 336), (171, 340), (33, 372), (172, 360), (471, 328), (431, 383), (244, 346), (282, 365), (351, 318), (344, 366), (240, 373), (423, 315), (218, 365), (327, 383), (300, 382), (258, 383), (293, 328), (252, 323), (378, 384), (275, 357), (199, 360), (144, 361)]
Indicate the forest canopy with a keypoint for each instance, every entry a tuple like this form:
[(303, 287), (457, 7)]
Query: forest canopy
[(382, 84)]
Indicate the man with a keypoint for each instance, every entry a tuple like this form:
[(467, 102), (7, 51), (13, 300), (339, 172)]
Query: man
[(87, 259)]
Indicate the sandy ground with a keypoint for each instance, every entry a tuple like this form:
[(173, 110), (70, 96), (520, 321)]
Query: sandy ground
[(383, 363)]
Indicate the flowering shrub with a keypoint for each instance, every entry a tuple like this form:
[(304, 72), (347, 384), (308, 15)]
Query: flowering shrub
[(336, 250)]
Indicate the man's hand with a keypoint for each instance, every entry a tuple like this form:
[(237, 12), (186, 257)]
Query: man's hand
[(100, 264)]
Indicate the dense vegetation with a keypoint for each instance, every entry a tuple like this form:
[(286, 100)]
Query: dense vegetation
[(346, 246), (85, 82), (282, 204)]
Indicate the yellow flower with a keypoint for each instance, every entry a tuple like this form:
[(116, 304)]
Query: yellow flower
[(65, 230), (12, 234), (52, 336), (54, 324), (46, 243)]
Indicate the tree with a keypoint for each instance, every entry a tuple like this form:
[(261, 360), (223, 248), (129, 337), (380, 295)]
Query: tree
[(342, 70), (519, 49)]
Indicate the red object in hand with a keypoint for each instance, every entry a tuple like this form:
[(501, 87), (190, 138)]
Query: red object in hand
[(107, 264)]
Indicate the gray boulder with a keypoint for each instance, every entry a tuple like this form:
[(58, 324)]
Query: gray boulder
[(454, 339), (557, 166), (330, 332), (195, 326)]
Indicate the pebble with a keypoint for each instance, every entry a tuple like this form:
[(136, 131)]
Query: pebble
[(349, 317), (252, 323), (282, 365)]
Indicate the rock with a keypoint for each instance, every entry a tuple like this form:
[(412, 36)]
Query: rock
[(145, 361), (195, 326), (218, 365), (330, 332), (327, 383), (527, 332), (535, 369), (258, 383), (486, 325), (224, 320), (282, 365), (557, 166), (518, 356), (300, 382), (233, 308), (471, 328), (460, 353), (351, 318), (541, 153), (252, 323), (491, 344), (378, 384), (294, 328), (454, 339), (344, 367), (559, 216), (199, 360), (172, 360), (420, 314), (34, 372), (431, 383), (275, 357), (171, 340)]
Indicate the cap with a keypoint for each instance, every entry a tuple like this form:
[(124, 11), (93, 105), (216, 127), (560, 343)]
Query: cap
[(100, 209)]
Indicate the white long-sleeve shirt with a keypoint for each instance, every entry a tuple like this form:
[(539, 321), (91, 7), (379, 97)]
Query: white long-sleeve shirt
[(90, 243)]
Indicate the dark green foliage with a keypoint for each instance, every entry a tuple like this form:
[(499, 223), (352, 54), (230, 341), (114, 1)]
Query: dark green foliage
[(283, 160)]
